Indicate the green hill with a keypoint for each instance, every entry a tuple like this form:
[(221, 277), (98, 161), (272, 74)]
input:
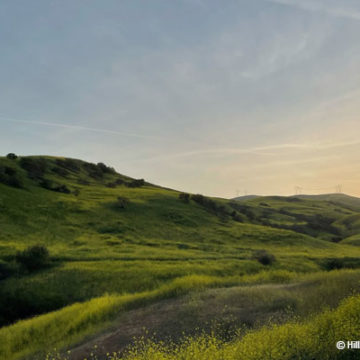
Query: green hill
[(107, 233), (332, 217)]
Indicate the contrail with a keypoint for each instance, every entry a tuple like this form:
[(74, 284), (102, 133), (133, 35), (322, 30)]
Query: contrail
[(314, 6), (78, 127)]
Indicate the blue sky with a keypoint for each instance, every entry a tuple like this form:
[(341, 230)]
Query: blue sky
[(214, 97)]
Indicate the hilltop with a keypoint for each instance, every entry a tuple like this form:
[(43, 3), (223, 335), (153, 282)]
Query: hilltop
[(107, 233)]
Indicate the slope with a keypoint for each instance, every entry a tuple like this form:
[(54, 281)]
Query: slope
[(108, 233)]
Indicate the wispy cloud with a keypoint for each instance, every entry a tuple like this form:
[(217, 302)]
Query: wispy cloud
[(77, 127), (292, 162), (318, 6), (262, 150)]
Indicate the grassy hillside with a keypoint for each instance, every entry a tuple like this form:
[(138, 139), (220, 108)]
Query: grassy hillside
[(332, 217), (107, 233)]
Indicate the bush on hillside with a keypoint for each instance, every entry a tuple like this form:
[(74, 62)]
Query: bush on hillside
[(60, 171), (184, 197), (205, 202), (122, 202), (35, 167), (9, 176), (106, 169), (34, 257), (236, 217), (333, 264), (264, 257), (243, 209), (68, 164), (340, 263), (7, 270), (11, 156), (211, 205), (136, 183), (51, 185), (93, 171), (82, 181)]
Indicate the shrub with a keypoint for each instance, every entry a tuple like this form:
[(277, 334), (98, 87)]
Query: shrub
[(7, 270), (198, 198), (122, 202), (184, 197), (34, 257), (211, 206), (60, 171), (35, 167), (46, 184), (11, 156), (106, 169), (264, 257), (9, 176), (51, 185), (93, 171), (136, 183), (333, 263), (68, 164), (83, 182), (236, 217), (62, 189), (115, 183), (340, 263)]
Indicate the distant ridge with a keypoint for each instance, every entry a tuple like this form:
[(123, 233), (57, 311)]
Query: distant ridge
[(342, 199), (246, 197), (348, 201)]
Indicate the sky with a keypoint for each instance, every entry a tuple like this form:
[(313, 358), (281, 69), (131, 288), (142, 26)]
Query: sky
[(223, 98)]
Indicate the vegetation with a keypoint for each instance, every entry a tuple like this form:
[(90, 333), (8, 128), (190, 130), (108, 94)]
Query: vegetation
[(118, 243), (184, 197), (11, 156), (263, 257), (34, 257), (312, 339)]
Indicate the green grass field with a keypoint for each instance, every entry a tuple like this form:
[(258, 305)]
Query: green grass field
[(116, 244)]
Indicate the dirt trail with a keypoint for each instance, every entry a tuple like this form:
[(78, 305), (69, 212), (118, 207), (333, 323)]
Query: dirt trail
[(133, 324), (229, 307)]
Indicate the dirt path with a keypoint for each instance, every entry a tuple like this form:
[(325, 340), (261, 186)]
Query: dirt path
[(227, 307), (133, 324)]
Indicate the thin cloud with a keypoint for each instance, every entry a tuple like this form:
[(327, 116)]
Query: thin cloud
[(297, 162), (78, 127), (262, 150), (314, 6)]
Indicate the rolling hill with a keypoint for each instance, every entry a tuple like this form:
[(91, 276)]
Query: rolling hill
[(107, 233)]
